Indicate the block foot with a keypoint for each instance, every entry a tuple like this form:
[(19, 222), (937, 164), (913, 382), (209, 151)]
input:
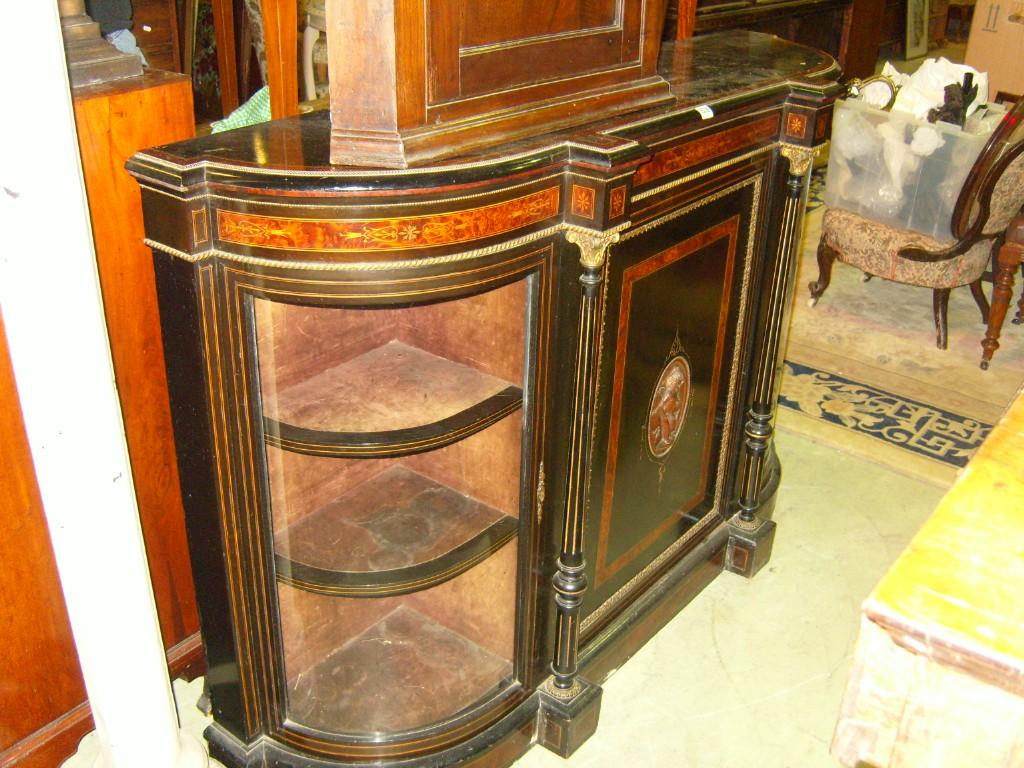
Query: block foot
[(749, 547), (568, 718)]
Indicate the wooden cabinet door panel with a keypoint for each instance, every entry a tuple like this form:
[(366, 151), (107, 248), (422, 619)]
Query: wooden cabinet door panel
[(480, 47), (679, 298)]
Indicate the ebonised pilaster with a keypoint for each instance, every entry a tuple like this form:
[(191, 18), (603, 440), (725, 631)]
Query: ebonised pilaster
[(751, 539)]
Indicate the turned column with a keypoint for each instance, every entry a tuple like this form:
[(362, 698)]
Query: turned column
[(569, 581), (569, 703), (750, 542)]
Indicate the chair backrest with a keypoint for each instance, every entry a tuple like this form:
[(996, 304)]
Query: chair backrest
[(994, 190)]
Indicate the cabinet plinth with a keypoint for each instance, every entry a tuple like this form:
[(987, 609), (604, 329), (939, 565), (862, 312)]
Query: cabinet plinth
[(421, 670), (440, 490)]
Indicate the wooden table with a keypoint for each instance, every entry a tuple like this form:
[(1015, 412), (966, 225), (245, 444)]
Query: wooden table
[(938, 676)]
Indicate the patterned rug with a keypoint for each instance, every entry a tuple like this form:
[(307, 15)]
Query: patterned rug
[(892, 418), (862, 372)]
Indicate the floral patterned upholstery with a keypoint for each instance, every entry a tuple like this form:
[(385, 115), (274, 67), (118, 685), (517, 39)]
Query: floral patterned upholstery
[(1007, 198), (874, 248)]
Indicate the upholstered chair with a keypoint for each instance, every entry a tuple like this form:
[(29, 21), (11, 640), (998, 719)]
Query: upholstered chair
[(992, 194)]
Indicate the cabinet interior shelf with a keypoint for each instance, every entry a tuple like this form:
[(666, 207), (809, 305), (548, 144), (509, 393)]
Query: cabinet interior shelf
[(396, 533), (421, 672), (393, 400)]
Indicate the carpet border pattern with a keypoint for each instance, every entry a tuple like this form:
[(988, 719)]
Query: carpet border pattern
[(901, 422)]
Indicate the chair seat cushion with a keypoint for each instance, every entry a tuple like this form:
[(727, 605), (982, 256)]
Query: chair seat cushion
[(874, 248)]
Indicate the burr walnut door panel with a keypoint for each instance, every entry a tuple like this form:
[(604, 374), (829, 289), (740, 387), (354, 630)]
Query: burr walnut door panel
[(678, 300)]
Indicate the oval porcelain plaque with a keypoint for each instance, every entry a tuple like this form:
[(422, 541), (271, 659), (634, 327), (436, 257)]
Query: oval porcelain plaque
[(669, 403)]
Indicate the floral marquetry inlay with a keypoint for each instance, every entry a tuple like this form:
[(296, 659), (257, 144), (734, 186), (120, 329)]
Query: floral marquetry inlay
[(583, 201), (617, 202), (426, 231), (796, 125)]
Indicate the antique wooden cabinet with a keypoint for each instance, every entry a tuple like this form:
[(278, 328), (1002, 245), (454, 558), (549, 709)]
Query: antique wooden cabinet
[(456, 440)]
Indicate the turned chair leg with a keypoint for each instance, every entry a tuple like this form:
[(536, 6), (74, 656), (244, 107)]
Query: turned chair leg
[(1009, 258), (979, 298), (826, 257), (940, 307)]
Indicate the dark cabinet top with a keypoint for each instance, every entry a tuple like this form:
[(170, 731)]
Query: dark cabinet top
[(720, 71)]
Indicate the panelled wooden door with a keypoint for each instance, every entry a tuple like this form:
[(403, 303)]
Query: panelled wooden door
[(670, 384), (475, 55)]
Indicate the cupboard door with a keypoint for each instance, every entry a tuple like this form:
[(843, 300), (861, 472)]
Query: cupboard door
[(679, 298), (480, 48)]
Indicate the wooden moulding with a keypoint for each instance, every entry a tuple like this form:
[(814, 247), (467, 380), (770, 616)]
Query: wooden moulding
[(471, 616), (396, 533), (413, 80), (393, 399)]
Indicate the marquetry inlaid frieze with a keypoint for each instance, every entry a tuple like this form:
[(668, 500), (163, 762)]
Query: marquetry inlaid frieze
[(696, 151), (392, 233)]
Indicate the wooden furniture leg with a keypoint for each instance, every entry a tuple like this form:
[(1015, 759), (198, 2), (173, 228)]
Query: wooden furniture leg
[(1010, 256), (281, 38), (826, 257), (940, 306), (979, 298), (224, 33)]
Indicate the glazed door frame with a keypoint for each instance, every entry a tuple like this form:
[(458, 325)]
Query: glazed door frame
[(225, 296)]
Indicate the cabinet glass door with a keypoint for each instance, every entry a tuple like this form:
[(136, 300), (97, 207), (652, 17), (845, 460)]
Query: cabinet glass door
[(393, 444)]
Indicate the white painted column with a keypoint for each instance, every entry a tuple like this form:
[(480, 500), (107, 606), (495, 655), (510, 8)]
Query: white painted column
[(52, 311)]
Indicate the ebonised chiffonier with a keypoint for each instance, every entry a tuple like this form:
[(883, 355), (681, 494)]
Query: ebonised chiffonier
[(456, 440)]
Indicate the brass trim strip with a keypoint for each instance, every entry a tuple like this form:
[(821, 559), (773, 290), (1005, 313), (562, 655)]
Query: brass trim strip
[(612, 602), (249, 203)]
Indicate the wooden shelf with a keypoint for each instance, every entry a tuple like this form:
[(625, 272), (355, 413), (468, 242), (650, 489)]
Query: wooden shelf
[(406, 671), (396, 533), (393, 400)]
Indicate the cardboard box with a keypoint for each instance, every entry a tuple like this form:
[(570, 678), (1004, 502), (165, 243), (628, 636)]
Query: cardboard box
[(996, 45)]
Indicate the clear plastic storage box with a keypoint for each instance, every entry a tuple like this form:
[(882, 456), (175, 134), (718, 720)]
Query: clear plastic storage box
[(892, 168)]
